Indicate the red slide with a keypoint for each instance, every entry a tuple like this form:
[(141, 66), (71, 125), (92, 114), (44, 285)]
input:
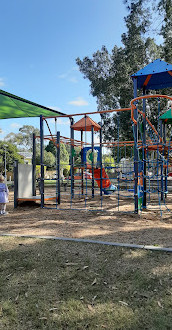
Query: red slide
[(105, 182)]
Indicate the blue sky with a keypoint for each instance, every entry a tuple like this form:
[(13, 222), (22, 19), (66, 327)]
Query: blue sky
[(40, 41)]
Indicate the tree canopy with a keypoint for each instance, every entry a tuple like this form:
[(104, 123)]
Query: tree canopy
[(64, 155), (109, 73), (23, 139), (11, 156)]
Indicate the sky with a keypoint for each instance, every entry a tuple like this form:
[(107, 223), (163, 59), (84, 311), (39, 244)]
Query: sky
[(40, 41)]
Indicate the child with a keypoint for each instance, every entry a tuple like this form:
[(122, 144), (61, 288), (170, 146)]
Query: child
[(3, 195)]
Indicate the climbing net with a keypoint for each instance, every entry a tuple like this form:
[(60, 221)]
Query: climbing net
[(153, 159)]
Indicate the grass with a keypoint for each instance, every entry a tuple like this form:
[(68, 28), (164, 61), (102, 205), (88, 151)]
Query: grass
[(50, 182), (47, 284), (77, 182)]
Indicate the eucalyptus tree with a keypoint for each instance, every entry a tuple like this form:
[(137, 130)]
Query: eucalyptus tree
[(109, 73), (165, 10), (24, 138)]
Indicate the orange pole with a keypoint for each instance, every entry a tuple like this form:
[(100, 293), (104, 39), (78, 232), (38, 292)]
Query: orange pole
[(89, 113), (142, 113), (147, 79)]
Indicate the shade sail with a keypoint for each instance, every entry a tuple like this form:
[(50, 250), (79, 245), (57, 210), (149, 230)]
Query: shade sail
[(12, 106), (156, 75), (167, 117), (85, 124)]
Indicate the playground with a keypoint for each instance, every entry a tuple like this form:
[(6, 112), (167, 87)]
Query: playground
[(103, 174), (93, 249), (115, 190)]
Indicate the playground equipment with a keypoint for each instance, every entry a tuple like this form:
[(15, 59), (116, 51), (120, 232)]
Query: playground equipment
[(98, 173), (156, 75), (25, 182), (149, 151)]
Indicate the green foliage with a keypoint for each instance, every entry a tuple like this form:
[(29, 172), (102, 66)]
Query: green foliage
[(108, 160), (24, 138), (51, 148), (109, 73), (65, 167), (49, 159), (11, 156), (91, 156), (77, 156), (165, 10), (38, 170), (64, 155)]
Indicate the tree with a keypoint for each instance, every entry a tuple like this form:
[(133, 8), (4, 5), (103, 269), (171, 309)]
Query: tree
[(24, 138), (49, 159), (64, 156), (11, 156), (165, 9), (109, 73)]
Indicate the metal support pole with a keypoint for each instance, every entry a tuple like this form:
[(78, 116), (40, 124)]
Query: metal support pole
[(34, 166), (72, 157), (15, 183), (58, 165), (42, 160), (101, 176), (144, 152), (135, 151), (118, 155), (165, 170), (92, 149), (162, 162), (5, 165), (82, 164)]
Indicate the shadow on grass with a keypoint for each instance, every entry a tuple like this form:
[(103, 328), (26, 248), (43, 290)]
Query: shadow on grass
[(67, 285)]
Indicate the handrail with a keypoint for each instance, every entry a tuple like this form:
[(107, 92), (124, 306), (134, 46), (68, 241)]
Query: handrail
[(133, 106)]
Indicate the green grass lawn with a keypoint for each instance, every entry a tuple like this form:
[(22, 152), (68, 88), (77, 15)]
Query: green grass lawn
[(50, 182), (47, 284), (77, 182)]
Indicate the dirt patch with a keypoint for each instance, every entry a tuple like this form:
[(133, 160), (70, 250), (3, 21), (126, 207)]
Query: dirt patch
[(108, 225)]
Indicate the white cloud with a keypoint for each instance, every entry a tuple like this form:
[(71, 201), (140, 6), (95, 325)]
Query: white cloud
[(2, 82), (15, 125), (73, 80), (62, 121), (69, 75), (63, 75), (79, 102)]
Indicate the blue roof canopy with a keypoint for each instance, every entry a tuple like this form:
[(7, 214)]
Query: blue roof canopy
[(156, 75)]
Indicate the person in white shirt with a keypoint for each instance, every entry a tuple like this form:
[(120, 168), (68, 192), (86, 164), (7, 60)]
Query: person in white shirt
[(4, 192)]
